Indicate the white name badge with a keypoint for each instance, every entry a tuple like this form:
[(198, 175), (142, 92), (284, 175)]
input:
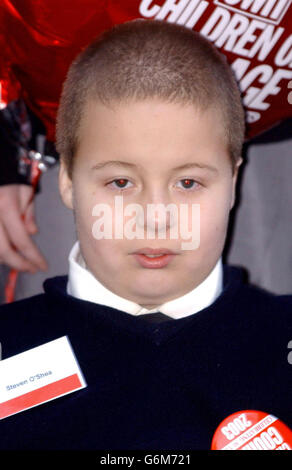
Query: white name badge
[(38, 375)]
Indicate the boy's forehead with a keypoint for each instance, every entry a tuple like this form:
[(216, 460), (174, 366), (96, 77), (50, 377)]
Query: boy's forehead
[(153, 128), (152, 113)]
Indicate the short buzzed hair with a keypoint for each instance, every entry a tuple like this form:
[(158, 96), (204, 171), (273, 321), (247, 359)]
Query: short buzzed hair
[(144, 59)]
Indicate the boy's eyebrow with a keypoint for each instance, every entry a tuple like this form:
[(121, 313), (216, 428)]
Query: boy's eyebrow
[(101, 165), (197, 165)]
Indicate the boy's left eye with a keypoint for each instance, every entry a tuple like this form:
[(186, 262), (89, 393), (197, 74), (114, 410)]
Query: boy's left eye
[(188, 183)]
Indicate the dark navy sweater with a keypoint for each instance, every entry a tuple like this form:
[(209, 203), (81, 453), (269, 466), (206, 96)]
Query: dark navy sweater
[(155, 386)]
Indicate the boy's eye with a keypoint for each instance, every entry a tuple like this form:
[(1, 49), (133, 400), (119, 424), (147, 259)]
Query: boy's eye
[(119, 183), (188, 183)]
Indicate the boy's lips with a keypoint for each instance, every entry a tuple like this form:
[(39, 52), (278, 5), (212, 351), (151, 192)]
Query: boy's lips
[(161, 261), (155, 251)]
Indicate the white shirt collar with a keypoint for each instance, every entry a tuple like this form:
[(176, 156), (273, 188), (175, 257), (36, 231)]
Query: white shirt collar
[(83, 285)]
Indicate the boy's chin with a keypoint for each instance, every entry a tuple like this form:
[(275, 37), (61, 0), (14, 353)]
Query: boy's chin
[(152, 296)]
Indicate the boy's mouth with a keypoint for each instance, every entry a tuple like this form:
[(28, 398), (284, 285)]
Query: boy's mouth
[(154, 258)]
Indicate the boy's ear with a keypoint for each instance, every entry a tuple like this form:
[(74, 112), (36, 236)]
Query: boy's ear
[(65, 185), (234, 180)]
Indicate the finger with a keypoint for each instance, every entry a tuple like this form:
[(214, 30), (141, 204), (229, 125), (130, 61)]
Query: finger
[(29, 219), (10, 257), (25, 196), (23, 244)]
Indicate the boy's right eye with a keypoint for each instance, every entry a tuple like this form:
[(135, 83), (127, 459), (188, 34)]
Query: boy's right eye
[(120, 183)]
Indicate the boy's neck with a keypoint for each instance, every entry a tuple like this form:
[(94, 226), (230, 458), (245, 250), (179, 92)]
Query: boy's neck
[(83, 285)]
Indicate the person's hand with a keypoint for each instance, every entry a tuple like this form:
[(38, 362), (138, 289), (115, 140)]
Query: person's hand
[(17, 224)]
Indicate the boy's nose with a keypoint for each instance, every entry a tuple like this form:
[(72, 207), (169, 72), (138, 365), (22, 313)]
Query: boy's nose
[(158, 218), (155, 195)]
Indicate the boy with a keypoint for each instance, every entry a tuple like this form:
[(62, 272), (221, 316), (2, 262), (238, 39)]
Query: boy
[(170, 342)]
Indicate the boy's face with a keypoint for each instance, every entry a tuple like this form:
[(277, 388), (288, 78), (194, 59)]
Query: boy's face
[(152, 138)]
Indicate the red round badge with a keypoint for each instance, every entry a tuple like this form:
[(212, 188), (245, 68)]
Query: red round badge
[(252, 430)]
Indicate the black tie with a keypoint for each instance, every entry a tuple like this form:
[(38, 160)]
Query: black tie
[(156, 317)]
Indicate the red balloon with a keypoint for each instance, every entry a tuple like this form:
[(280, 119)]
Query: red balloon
[(40, 38)]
